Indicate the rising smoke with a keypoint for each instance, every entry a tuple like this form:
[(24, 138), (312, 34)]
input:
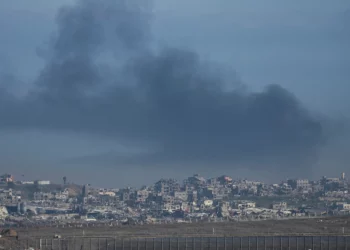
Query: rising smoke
[(101, 76)]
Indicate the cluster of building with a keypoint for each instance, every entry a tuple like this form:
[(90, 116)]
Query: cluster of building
[(167, 200)]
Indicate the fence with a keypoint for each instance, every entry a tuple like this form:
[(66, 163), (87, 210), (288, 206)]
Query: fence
[(183, 243)]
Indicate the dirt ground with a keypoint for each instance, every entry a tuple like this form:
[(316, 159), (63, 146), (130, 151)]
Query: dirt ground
[(324, 226)]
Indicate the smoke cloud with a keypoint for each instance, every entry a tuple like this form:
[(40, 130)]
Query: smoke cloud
[(102, 76)]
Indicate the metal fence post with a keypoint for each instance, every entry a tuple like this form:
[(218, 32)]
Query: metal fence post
[(193, 243), (320, 242), (304, 242), (185, 243), (281, 243), (336, 242), (312, 242), (123, 247), (217, 245), (329, 242), (162, 242), (106, 243), (346, 242), (154, 243), (257, 242), (288, 242), (233, 243), (273, 243), (297, 242), (225, 242), (90, 243), (169, 243), (178, 243), (99, 244), (240, 242)]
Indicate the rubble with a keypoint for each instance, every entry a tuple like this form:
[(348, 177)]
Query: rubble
[(169, 201)]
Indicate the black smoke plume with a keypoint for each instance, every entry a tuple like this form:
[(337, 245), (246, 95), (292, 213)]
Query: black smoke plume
[(102, 76)]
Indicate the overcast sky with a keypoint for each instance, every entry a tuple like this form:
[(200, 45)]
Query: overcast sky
[(301, 47)]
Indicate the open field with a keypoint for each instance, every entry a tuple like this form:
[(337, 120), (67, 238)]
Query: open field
[(324, 226), (327, 233)]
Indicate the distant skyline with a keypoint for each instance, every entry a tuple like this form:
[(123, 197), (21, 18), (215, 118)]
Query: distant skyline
[(122, 94), (21, 178)]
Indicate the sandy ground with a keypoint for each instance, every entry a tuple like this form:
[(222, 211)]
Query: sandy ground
[(324, 226)]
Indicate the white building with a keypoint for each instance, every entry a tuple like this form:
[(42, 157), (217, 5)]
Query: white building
[(61, 196), (3, 212), (344, 206), (27, 182), (279, 205), (208, 203), (42, 182), (245, 205), (302, 184)]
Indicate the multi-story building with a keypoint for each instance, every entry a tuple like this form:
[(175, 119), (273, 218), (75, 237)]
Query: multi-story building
[(225, 180), (142, 195), (302, 184), (6, 178), (127, 194), (39, 196), (221, 193), (181, 195), (195, 181), (85, 191), (167, 186), (193, 196), (168, 199)]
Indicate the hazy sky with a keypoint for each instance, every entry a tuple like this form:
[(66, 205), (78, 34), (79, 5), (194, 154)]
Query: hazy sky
[(81, 118)]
